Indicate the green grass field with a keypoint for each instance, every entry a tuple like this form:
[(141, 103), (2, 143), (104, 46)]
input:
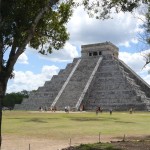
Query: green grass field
[(64, 126)]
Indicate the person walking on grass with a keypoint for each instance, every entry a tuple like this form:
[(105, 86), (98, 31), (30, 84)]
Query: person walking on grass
[(110, 111)]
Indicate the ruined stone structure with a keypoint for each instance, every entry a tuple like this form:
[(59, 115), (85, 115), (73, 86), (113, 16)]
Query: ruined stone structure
[(98, 78)]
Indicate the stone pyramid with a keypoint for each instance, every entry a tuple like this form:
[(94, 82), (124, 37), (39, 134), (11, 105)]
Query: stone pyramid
[(96, 79)]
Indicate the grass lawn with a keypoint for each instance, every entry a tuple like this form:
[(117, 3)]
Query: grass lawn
[(64, 126)]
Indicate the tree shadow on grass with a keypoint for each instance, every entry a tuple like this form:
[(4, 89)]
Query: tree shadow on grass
[(102, 119), (34, 119), (37, 120), (127, 122), (17, 118), (93, 119), (53, 118)]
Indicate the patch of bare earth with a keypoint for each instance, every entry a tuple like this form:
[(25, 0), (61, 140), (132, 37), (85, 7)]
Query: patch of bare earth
[(135, 143), (23, 143)]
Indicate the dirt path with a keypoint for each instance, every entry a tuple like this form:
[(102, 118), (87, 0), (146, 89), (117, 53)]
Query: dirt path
[(22, 143)]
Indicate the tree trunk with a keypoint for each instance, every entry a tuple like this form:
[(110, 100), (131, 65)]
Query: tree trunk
[(0, 121), (2, 93)]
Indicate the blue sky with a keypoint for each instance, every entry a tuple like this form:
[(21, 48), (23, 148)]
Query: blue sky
[(33, 69)]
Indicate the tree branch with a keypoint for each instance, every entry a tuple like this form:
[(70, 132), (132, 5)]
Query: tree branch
[(13, 58), (36, 21), (0, 11), (1, 43)]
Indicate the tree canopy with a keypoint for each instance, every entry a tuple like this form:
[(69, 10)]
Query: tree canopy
[(32, 22), (13, 98), (147, 25)]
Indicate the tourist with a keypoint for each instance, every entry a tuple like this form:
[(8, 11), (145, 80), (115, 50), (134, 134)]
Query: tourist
[(45, 108), (68, 109), (50, 108), (40, 108), (65, 108), (110, 111), (54, 108), (101, 110), (130, 110), (96, 111), (81, 108)]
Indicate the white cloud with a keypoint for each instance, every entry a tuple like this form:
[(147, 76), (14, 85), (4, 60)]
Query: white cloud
[(30, 81), (147, 79), (136, 61), (63, 55), (120, 30), (23, 59), (49, 71)]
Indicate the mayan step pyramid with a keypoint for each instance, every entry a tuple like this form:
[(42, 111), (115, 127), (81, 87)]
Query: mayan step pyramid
[(96, 79)]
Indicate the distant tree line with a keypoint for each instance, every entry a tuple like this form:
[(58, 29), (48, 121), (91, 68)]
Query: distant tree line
[(13, 98)]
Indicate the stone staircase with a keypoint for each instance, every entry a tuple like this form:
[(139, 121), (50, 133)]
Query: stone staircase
[(88, 84), (65, 84), (113, 88), (45, 95), (77, 83)]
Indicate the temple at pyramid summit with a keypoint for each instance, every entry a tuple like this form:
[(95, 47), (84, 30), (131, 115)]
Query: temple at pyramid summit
[(97, 79)]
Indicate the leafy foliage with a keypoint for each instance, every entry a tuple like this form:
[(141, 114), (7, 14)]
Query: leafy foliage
[(147, 25), (39, 24), (103, 9), (14, 98), (18, 18)]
